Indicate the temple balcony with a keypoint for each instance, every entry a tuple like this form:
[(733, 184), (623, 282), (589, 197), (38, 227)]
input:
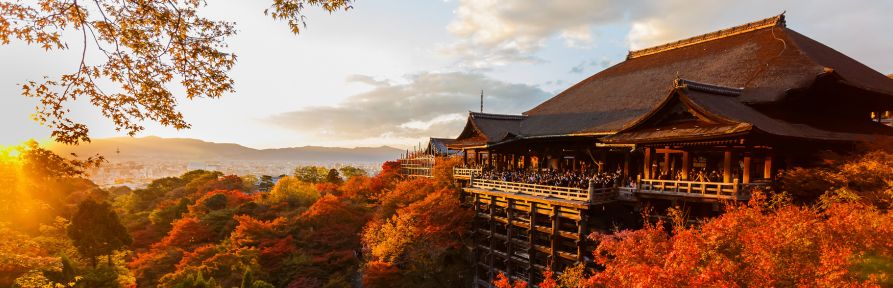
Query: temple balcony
[(693, 189), (643, 188), (465, 173)]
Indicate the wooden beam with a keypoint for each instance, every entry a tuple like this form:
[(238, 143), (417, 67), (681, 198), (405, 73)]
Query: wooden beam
[(727, 166)]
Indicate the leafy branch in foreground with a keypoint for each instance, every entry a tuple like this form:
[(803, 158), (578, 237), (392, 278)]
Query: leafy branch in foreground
[(145, 47)]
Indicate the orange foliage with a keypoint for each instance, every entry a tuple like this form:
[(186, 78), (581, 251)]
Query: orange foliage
[(503, 282), (754, 245), (380, 274)]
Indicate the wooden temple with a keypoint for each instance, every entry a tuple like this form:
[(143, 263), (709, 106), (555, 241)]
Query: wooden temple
[(688, 124)]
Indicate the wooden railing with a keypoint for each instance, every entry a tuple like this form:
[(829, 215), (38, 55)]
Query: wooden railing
[(712, 190), (416, 171), (719, 190), (465, 173), (594, 195)]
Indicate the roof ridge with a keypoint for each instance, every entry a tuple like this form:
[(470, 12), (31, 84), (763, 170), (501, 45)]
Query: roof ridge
[(775, 21), (708, 88), (496, 116)]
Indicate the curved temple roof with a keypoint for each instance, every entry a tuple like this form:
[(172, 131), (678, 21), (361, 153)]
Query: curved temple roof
[(763, 60)]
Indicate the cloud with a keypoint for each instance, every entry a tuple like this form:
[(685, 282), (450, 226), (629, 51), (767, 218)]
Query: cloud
[(428, 104), (497, 32), (494, 33), (366, 79)]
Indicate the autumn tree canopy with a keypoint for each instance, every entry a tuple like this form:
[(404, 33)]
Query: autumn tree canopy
[(144, 48)]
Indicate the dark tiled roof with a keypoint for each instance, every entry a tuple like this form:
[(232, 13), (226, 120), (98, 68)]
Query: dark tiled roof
[(755, 64), (438, 146), (487, 128), (766, 62)]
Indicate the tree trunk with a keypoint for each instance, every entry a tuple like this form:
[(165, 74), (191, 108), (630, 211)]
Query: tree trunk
[(109, 259), (93, 261)]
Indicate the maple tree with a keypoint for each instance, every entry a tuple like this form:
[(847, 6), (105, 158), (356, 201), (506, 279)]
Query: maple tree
[(142, 46)]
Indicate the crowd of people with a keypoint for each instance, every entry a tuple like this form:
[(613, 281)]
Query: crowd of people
[(575, 179)]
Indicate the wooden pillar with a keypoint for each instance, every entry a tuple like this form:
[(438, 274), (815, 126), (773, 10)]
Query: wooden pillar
[(647, 168), (491, 254), (626, 160), (509, 205), (666, 167), (553, 247), (475, 251), (767, 167), (746, 173), (531, 269), (686, 165), (727, 166), (465, 157), (582, 231), (489, 159)]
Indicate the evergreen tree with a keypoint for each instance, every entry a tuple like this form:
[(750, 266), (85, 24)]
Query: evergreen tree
[(96, 230), (266, 183), (333, 177)]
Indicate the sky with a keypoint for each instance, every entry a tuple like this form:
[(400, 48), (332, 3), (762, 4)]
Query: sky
[(394, 72)]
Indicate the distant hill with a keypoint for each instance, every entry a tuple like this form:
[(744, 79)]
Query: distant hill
[(891, 75), (184, 149)]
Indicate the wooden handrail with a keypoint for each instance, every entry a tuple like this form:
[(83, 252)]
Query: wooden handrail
[(569, 193), (732, 190)]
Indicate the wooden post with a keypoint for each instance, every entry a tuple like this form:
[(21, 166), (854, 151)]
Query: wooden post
[(727, 166), (474, 235), (647, 168), (508, 235), (582, 230), (492, 228), (531, 236), (767, 167), (746, 172), (465, 157), (626, 166), (553, 248), (686, 165), (666, 167)]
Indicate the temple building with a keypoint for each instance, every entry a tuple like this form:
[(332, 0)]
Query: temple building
[(689, 124)]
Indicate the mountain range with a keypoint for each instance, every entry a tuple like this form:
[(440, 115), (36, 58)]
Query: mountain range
[(185, 149)]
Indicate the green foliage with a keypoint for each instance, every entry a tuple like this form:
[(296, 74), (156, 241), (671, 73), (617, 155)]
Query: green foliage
[(166, 215), (265, 184), (311, 174), (247, 279), (333, 177), (350, 172), (250, 182), (197, 281), (101, 277), (294, 192), (96, 230)]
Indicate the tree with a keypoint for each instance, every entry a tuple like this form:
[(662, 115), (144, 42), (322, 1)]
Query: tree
[(96, 230), (144, 46), (266, 183), (350, 172), (311, 174), (333, 177), (292, 191)]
